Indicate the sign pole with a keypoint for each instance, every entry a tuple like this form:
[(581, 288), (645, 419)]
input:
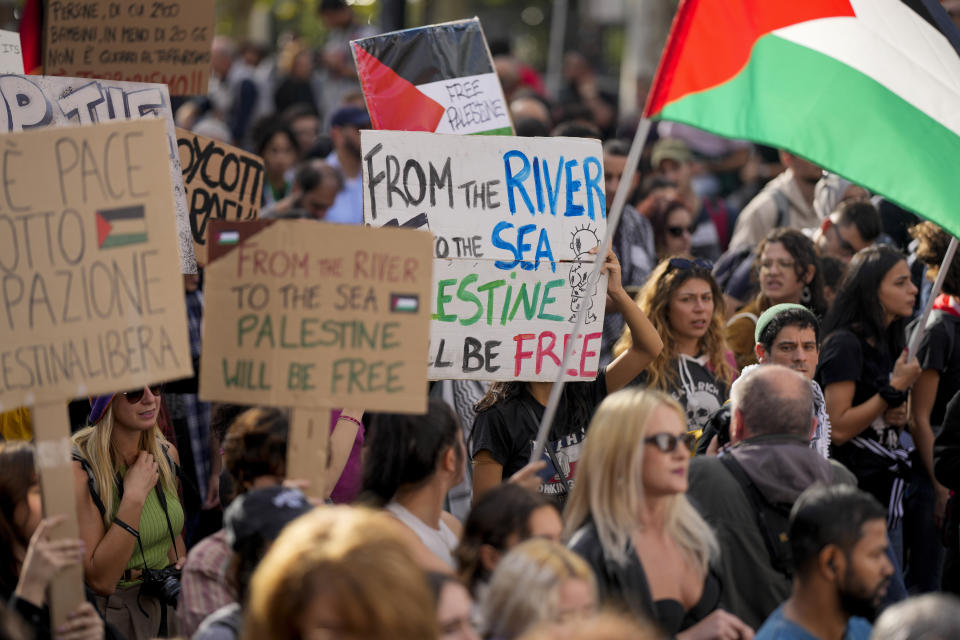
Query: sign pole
[(308, 448), (613, 219), (934, 292), (52, 432)]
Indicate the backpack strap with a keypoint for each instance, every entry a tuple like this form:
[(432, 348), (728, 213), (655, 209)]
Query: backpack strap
[(760, 506), (783, 207), (91, 480)]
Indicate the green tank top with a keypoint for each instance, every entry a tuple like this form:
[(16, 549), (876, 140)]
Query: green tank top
[(153, 532)]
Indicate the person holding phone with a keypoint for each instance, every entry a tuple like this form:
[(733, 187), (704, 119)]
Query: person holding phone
[(130, 516), (508, 416)]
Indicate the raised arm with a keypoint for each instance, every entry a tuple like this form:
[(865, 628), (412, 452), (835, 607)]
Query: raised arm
[(646, 345)]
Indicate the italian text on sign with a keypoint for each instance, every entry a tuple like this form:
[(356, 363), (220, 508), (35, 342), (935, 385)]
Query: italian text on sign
[(91, 297), (161, 41)]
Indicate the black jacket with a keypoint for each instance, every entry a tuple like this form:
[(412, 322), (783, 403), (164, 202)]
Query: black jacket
[(625, 587)]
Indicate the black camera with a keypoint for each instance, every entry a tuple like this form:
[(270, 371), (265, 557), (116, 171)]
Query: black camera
[(164, 585)]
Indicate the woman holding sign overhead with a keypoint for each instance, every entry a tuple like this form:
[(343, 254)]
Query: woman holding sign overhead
[(508, 417), (125, 474)]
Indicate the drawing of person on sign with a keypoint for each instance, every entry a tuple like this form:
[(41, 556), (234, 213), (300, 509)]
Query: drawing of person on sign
[(582, 241)]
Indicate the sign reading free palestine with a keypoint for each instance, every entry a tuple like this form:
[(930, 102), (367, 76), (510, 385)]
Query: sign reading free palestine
[(439, 78)]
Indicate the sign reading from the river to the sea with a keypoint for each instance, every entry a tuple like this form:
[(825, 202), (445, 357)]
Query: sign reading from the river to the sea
[(514, 220), (307, 314)]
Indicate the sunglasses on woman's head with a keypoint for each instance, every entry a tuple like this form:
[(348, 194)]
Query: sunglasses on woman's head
[(133, 397), (684, 263), (677, 232), (668, 442)]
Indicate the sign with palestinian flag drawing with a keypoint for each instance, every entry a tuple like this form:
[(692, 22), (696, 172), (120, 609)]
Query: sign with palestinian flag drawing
[(438, 78), (92, 294), (868, 89), (513, 222), (121, 227)]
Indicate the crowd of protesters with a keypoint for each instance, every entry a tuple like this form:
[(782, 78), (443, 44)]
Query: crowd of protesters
[(759, 456)]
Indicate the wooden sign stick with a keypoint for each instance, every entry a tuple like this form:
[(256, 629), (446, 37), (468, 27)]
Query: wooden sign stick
[(307, 448), (51, 424)]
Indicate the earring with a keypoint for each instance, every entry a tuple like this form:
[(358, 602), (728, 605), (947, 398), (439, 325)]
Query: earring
[(806, 295)]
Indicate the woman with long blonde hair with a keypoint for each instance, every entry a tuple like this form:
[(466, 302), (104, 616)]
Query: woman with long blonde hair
[(130, 517), (696, 367), (629, 518)]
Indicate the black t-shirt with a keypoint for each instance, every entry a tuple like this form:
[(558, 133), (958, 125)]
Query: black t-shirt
[(940, 350), (847, 357), (699, 391), (507, 430)]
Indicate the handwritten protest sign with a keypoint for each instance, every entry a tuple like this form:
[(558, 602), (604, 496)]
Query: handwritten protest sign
[(308, 314), (30, 102), (91, 299), (11, 58), (312, 316), (514, 220), (161, 41), (437, 78), (222, 183)]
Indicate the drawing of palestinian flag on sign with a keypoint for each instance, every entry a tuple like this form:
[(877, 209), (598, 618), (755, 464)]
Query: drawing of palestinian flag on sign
[(121, 227), (438, 78)]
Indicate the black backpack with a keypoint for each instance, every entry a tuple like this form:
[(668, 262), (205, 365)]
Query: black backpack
[(772, 519)]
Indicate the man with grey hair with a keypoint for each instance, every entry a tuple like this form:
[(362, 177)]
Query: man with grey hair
[(932, 616), (746, 493)]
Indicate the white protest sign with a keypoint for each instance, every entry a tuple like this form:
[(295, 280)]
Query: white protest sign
[(514, 220), (11, 57), (33, 102)]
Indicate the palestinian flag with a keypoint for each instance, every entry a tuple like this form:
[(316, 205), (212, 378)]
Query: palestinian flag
[(438, 78), (868, 89), (121, 227), (31, 37)]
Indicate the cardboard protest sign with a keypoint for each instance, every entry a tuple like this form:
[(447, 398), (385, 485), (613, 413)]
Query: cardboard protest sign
[(222, 183), (92, 299), (514, 220), (91, 296), (302, 313), (11, 58), (166, 42), (438, 78), (31, 102)]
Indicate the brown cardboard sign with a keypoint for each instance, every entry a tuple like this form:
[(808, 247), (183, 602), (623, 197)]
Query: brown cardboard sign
[(314, 315), (166, 42), (91, 296), (222, 183)]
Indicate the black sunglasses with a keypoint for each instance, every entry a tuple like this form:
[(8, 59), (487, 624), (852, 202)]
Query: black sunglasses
[(677, 232), (667, 442), (684, 263), (133, 397)]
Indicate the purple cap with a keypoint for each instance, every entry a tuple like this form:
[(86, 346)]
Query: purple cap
[(98, 406)]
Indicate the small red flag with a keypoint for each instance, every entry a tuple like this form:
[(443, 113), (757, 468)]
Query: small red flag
[(31, 37)]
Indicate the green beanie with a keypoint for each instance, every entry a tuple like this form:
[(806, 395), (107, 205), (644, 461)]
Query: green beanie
[(770, 314)]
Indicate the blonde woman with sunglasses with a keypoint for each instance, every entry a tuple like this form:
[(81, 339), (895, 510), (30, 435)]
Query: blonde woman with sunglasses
[(629, 518), (125, 474)]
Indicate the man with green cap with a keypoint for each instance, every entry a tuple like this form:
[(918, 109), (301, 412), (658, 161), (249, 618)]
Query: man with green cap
[(789, 335)]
